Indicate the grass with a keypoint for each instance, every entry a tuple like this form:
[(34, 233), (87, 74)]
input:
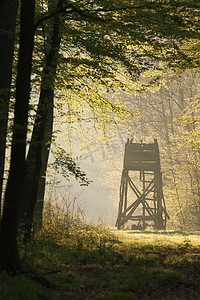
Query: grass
[(72, 260), (172, 238)]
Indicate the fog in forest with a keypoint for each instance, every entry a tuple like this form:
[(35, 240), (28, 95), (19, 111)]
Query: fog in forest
[(168, 112)]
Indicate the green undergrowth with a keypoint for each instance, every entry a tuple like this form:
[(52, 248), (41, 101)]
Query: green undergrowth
[(78, 261)]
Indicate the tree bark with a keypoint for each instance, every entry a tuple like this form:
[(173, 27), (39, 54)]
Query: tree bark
[(34, 187), (8, 12), (9, 256)]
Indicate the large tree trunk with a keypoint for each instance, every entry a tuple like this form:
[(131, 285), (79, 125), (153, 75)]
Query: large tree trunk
[(8, 12), (38, 211), (9, 256), (41, 138), (37, 163)]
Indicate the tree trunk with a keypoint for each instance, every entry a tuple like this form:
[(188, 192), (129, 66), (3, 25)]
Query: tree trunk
[(38, 211), (9, 256), (33, 193), (8, 12)]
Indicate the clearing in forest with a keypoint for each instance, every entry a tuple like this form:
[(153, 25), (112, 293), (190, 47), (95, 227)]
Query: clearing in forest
[(94, 263)]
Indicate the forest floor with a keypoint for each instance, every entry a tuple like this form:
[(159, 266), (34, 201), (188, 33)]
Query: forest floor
[(90, 262)]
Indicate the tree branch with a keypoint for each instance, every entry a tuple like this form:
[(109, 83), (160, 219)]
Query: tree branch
[(91, 13), (62, 10), (86, 12)]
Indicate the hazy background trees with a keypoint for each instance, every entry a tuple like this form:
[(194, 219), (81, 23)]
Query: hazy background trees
[(168, 112), (171, 114)]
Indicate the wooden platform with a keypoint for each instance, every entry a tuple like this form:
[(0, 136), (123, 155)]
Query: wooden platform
[(141, 157)]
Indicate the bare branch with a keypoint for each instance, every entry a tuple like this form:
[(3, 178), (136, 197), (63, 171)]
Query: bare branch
[(62, 10)]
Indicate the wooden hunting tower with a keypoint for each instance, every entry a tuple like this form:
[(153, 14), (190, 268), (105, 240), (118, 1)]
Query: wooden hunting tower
[(141, 205)]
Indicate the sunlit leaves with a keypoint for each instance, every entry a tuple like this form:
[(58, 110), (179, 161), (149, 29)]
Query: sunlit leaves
[(65, 165), (106, 47)]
